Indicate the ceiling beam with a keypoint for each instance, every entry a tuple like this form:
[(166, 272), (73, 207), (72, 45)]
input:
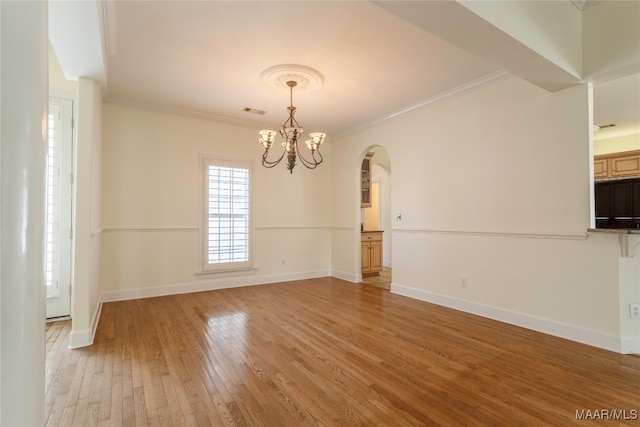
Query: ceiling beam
[(76, 37), (520, 53)]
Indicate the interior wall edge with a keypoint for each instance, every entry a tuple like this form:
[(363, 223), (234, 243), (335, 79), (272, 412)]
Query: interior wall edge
[(85, 337)]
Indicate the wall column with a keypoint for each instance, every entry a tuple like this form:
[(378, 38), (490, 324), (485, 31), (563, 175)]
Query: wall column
[(23, 127)]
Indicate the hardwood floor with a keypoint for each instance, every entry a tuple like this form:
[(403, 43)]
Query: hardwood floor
[(326, 352)]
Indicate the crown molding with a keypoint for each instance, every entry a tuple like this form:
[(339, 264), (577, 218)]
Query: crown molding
[(579, 4), (179, 111), (489, 78)]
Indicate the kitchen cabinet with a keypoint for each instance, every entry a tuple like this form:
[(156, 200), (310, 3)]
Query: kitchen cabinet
[(635, 198), (600, 168), (619, 199), (602, 194), (616, 165), (371, 253), (617, 203)]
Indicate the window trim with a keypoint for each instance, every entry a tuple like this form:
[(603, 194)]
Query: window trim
[(204, 267)]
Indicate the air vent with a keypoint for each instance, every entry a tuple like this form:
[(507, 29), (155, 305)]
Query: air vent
[(254, 111), (606, 126)]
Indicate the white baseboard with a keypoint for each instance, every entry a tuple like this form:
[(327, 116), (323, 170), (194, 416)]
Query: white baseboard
[(630, 345), (538, 324), (208, 285), (349, 277), (84, 338)]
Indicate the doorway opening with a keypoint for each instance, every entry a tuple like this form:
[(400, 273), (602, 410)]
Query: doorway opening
[(375, 218)]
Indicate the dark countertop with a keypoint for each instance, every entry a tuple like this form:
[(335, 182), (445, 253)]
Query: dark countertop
[(614, 230), (372, 231)]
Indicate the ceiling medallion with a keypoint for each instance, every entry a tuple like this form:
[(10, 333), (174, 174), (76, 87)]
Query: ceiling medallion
[(299, 77), (306, 78)]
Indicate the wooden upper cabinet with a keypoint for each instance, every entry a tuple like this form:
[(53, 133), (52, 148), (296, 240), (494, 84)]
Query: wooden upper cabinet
[(625, 165), (600, 168), (616, 165), (365, 181)]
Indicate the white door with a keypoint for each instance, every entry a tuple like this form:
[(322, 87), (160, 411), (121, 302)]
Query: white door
[(59, 208)]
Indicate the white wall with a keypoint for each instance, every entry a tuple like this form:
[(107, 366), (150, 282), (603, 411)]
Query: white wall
[(552, 29), (490, 195), (85, 300), (611, 39), (617, 144), (151, 177), (58, 84)]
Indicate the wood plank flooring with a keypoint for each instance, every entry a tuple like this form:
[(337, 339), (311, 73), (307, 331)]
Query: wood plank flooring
[(325, 352)]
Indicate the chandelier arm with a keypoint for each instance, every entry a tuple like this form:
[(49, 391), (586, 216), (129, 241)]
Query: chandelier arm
[(308, 164), (268, 163)]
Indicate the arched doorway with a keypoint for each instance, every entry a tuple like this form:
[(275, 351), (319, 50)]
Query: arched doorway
[(375, 217)]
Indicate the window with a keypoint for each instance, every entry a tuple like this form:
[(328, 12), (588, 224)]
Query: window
[(226, 222), (59, 201), (53, 202)]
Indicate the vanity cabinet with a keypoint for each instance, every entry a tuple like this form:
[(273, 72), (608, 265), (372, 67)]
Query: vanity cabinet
[(371, 253)]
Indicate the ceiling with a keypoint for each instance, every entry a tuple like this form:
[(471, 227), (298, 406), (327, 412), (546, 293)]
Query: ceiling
[(206, 57)]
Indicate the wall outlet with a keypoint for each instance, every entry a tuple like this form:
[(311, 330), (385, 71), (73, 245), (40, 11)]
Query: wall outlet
[(634, 311)]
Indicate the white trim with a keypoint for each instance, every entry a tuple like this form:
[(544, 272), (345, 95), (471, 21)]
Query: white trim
[(579, 4), (630, 345), (180, 112), (489, 78), (207, 285), (148, 229), (178, 229), (349, 277), (442, 96), (224, 273), (293, 227), (206, 161), (551, 327), (523, 234), (107, 13), (343, 227), (85, 338), (65, 95)]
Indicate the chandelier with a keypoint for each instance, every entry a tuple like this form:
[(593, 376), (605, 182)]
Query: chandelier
[(291, 132)]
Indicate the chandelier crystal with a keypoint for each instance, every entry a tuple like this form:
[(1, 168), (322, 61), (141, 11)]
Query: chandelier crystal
[(291, 131)]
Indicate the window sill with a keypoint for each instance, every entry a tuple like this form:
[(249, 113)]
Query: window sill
[(226, 272)]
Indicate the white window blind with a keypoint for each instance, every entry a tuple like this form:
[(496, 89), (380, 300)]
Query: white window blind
[(53, 203), (227, 215)]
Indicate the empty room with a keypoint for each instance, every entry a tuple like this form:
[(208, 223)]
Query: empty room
[(320, 213)]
